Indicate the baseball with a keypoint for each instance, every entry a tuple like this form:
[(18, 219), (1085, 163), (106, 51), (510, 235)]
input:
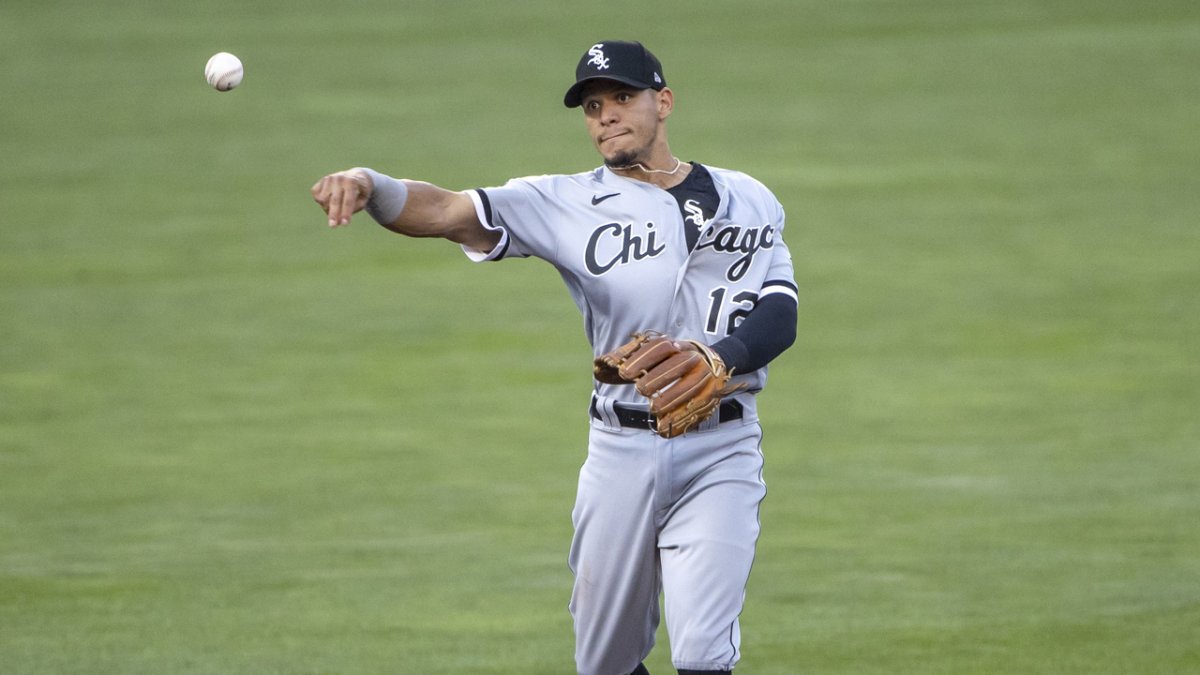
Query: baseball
[(223, 71)]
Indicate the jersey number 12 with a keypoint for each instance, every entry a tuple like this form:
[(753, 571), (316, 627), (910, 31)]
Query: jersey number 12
[(743, 302)]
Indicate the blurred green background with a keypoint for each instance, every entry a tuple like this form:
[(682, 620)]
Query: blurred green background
[(234, 441)]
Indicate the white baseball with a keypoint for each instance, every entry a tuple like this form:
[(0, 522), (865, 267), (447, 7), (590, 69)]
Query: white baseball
[(223, 71)]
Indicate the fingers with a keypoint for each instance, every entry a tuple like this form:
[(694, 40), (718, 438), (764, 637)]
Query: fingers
[(327, 193), (338, 214), (341, 195), (320, 193)]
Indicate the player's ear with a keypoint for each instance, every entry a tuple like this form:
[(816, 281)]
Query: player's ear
[(666, 102)]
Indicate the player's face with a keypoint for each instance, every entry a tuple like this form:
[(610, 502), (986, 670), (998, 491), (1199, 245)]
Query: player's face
[(625, 122)]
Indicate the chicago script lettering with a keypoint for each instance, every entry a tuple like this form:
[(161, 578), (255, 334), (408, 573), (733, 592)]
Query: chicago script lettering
[(614, 244), (744, 240)]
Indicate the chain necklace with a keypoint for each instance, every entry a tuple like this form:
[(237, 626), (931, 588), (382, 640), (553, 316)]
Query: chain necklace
[(639, 165)]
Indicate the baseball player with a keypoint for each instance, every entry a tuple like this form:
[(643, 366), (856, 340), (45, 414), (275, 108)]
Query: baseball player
[(687, 292)]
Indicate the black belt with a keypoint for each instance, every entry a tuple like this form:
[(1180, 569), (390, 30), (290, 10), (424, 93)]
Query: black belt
[(636, 418)]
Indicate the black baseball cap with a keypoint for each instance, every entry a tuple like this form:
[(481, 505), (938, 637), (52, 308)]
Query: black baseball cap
[(626, 62)]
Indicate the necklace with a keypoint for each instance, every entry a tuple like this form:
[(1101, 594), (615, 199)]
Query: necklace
[(639, 165)]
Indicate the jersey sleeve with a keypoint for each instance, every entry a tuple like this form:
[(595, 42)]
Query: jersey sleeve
[(781, 277), (522, 210)]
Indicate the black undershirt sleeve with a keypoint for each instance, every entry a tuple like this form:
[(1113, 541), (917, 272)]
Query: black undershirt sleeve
[(768, 330)]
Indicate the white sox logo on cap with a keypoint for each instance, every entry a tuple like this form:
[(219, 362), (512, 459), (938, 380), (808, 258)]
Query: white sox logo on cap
[(629, 63), (598, 59)]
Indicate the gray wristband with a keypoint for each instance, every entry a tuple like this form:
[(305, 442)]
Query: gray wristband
[(387, 197)]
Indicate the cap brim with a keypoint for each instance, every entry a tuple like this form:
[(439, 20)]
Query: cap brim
[(574, 97)]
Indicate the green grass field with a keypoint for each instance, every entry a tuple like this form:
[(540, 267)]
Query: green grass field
[(234, 441)]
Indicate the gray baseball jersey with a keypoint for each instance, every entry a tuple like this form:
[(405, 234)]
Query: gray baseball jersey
[(620, 246), (653, 514)]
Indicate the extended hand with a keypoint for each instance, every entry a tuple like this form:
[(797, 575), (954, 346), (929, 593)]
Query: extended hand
[(343, 194)]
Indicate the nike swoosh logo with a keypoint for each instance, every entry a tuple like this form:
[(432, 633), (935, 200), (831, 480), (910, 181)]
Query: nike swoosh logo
[(599, 198)]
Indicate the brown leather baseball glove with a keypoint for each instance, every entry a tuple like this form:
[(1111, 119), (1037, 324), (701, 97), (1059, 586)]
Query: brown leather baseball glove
[(683, 379)]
